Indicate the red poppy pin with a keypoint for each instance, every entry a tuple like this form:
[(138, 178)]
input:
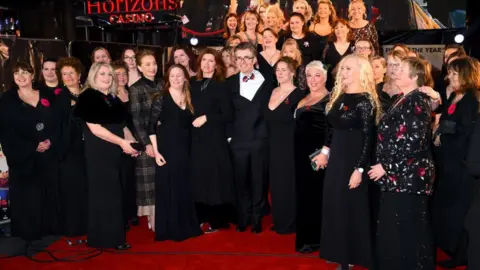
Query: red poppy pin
[(287, 101), (57, 91), (345, 108), (45, 102), (452, 108), (418, 110), (421, 172), (307, 108)]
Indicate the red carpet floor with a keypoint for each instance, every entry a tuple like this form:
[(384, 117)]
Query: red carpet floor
[(227, 250)]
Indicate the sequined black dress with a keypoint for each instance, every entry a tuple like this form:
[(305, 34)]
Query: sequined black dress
[(345, 236), (404, 236)]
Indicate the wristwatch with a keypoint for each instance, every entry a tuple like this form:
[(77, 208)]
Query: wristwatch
[(360, 170)]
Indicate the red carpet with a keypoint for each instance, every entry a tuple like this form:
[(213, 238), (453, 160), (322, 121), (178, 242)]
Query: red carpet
[(217, 251)]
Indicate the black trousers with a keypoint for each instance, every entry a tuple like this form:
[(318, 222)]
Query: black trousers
[(250, 166)]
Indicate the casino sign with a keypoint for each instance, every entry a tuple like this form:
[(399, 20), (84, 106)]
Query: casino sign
[(129, 11)]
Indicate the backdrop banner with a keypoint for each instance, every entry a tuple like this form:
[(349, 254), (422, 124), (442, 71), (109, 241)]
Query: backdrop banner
[(33, 51), (432, 53)]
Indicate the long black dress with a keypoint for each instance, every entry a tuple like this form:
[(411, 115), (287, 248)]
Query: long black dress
[(454, 190), (175, 217), (212, 177), (281, 127), (310, 128), (106, 223), (472, 221), (345, 237), (34, 193), (73, 178), (128, 175)]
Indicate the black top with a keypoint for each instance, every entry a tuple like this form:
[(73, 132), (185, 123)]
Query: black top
[(473, 158), (309, 45), (386, 101), (331, 58), (353, 111), (404, 145), (96, 108)]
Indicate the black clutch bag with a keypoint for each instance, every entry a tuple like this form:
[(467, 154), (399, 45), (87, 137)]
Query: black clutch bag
[(447, 127), (138, 146), (312, 155)]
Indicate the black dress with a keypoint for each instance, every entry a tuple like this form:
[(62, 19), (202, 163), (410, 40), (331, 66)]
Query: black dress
[(128, 175), (175, 217), (404, 237), (266, 69), (211, 171), (281, 128), (310, 128), (73, 178), (472, 221), (310, 46), (331, 58), (454, 190), (345, 237), (106, 223), (34, 193)]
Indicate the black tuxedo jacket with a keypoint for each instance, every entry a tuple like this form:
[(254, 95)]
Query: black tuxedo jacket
[(248, 126)]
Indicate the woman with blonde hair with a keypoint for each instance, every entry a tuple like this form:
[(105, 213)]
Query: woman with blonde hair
[(275, 19), (290, 49), (352, 113), (304, 8), (323, 19), (104, 129), (362, 29), (250, 28)]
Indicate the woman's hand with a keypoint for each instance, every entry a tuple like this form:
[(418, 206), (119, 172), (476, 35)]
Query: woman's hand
[(199, 121), (430, 92), (321, 160), (44, 146), (355, 179), (149, 151), (376, 172), (127, 147), (159, 159)]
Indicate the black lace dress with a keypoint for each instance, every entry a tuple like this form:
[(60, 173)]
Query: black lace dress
[(345, 236), (404, 236)]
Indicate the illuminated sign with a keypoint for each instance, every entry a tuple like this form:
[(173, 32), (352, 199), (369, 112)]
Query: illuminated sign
[(129, 11)]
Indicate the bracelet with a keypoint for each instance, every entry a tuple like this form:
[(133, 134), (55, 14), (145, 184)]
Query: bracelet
[(324, 151)]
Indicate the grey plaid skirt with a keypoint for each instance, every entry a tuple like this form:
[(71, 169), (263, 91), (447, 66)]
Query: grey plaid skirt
[(145, 180)]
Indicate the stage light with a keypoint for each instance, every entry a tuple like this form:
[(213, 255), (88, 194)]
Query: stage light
[(194, 41), (459, 38)]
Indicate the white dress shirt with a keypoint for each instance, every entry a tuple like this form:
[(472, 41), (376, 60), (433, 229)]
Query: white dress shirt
[(249, 89)]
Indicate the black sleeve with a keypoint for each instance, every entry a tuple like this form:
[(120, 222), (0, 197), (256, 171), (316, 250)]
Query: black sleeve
[(367, 114), (90, 107), (225, 113), (473, 158), (155, 112)]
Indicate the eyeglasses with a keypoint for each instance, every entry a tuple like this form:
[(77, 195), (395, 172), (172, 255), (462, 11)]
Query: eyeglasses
[(129, 58), (363, 48), (241, 59), (393, 65)]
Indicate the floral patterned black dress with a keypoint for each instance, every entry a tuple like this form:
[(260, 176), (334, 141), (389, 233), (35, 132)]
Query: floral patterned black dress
[(404, 236)]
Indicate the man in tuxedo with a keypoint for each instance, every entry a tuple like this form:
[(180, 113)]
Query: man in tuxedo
[(250, 93)]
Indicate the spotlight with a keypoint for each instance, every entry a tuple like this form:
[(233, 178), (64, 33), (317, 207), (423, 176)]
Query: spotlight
[(194, 41), (459, 38)]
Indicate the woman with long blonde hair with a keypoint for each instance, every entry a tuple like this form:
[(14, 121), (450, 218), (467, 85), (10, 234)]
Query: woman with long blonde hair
[(251, 28), (352, 113), (169, 131), (361, 27), (323, 19)]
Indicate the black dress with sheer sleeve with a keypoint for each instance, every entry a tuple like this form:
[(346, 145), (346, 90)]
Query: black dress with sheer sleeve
[(345, 237), (175, 216), (33, 175), (310, 133), (106, 223), (331, 58)]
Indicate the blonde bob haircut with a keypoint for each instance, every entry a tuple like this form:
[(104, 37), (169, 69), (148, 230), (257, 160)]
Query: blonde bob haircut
[(92, 75), (318, 66), (308, 9), (366, 82)]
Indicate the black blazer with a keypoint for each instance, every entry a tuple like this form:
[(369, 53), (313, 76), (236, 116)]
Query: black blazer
[(248, 123)]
